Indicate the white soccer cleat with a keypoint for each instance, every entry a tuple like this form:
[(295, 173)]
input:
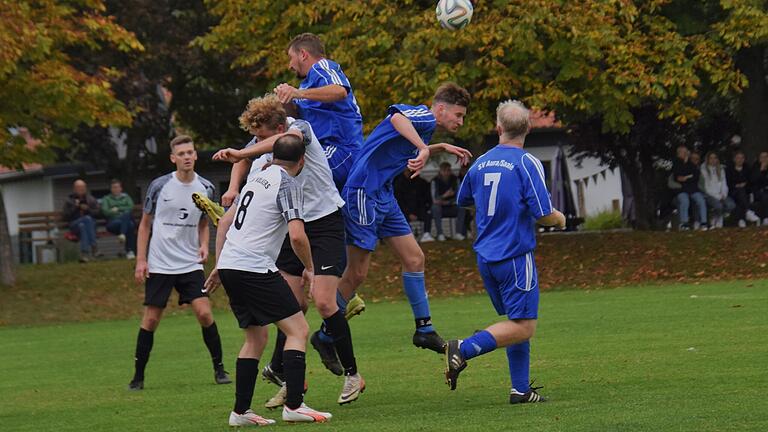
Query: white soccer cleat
[(278, 399), (354, 385), (248, 418), (305, 414)]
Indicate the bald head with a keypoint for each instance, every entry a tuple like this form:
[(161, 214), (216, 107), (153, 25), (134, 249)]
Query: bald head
[(513, 120), (79, 187)]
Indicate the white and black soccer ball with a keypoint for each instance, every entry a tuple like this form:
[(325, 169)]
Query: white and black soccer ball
[(454, 14)]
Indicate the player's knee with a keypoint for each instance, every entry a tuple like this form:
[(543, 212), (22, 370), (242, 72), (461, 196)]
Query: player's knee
[(150, 323), (205, 318), (414, 262), (326, 307)]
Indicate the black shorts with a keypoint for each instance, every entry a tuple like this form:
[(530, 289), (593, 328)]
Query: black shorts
[(326, 238), (158, 287), (258, 298)]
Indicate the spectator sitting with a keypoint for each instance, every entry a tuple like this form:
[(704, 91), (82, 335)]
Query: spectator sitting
[(117, 208), (760, 186), (695, 158), (80, 211), (738, 188), (412, 195), (444, 188), (715, 187), (687, 175)]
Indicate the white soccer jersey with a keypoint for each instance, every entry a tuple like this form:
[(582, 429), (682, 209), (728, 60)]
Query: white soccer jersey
[(321, 197), (175, 240), (269, 200)]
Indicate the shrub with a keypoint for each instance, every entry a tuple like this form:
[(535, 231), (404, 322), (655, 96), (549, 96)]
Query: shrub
[(604, 220)]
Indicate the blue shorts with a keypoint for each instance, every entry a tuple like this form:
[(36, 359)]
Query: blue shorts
[(340, 161), (513, 286), (368, 219)]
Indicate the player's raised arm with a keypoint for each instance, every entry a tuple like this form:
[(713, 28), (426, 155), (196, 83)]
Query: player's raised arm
[(405, 127), (326, 94)]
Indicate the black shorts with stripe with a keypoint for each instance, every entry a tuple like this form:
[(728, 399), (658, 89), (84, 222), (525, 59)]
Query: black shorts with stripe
[(258, 299), (158, 287), (326, 238)]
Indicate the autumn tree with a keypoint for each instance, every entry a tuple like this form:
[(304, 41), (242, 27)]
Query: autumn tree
[(41, 88), (600, 65)]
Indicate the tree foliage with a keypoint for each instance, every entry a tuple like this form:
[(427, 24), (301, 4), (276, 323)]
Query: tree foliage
[(582, 59), (41, 87)]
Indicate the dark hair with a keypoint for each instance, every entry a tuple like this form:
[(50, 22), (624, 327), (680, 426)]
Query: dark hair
[(445, 165), (309, 42), (115, 181), (181, 139), (288, 148), (452, 94)]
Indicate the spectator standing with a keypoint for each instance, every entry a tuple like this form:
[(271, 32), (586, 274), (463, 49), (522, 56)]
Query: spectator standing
[(413, 196), (443, 189), (117, 208), (760, 186), (715, 187), (80, 211), (687, 175), (738, 177)]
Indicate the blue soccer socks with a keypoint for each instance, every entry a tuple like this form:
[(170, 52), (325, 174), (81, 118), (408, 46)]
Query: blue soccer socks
[(478, 344), (416, 291)]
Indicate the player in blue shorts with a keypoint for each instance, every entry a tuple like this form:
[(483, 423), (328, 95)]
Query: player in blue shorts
[(507, 187), (325, 99), (371, 211)]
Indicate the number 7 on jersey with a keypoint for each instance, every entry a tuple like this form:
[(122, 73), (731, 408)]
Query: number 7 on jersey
[(492, 180)]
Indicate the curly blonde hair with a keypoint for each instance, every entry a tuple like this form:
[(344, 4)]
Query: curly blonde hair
[(263, 111)]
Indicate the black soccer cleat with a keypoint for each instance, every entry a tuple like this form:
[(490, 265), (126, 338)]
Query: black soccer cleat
[(431, 341), (136, 385), (531, 396), (270, 375), (221, 376), (454, 363), (327, 354)]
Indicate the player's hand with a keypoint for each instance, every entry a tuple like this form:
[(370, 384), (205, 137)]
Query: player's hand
[(203, 254), (560, 221), (308, 278), (417, 164), (142, 272), (228, 198), (463, 156), (286, 93), (228, 155), (212, 283)]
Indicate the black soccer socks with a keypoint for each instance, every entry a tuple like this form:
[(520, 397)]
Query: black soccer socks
[(247, 370), (295, 365), (144, 343), (213, 342), (338, 328), (277, 355)]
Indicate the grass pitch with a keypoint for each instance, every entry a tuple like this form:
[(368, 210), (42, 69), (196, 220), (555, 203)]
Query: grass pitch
[(658, 358)]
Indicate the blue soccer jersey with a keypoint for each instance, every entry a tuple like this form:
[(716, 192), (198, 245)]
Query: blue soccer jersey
[(507, 187), (385, 153), (339, 123)]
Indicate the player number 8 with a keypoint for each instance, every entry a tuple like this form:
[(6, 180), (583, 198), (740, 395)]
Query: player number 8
[(243, 209)]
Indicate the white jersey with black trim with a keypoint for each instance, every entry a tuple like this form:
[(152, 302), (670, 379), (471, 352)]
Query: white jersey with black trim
[(321, 197), (175, 240), (269, 200)]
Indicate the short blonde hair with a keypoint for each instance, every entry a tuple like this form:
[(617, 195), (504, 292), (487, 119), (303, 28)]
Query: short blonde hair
[(513, 118), (263, 111), (179, 140)]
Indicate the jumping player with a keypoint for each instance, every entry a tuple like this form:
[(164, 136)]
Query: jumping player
[(372, 212)]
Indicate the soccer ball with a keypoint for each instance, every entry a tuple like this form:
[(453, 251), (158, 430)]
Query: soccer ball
[(454, 14)]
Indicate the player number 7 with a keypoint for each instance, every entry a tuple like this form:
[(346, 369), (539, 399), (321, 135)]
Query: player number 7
[(492, 180)]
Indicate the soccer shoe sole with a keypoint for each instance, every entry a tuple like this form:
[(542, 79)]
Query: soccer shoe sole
[(355, 310), (355, 396), (333, 365), (210, 208)]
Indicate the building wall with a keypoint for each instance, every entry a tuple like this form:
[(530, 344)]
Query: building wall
[(24, 196)]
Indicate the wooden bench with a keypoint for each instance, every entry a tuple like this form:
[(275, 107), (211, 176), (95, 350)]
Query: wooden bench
[(49, 228)]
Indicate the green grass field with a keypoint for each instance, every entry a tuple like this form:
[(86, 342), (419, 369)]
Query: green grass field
[(657, 358)]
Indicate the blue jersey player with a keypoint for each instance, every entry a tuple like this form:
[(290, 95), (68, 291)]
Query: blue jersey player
[(507, 187), (371, 211), (324, 99)]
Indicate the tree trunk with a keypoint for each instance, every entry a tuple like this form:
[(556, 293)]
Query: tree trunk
[(7, 268), (754, 101), (642, 179)]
